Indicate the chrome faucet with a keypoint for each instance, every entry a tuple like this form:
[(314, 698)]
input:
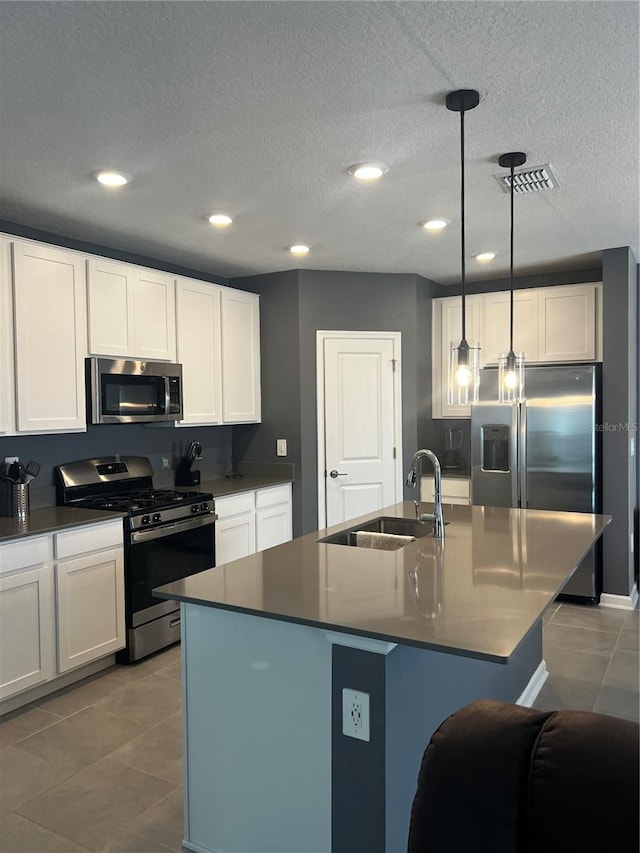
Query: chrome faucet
[(437, 518)]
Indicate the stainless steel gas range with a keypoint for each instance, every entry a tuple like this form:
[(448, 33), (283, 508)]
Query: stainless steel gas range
[(168, 535)]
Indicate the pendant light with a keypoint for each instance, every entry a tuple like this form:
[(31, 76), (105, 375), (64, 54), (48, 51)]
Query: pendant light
[(510, 365), (464, 358)]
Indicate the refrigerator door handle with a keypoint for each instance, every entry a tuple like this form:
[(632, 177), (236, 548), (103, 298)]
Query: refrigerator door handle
[(522, 461)]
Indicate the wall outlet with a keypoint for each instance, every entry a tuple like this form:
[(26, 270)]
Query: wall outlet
[(9, 459), (281, 446), (165, 462), (355, 714)]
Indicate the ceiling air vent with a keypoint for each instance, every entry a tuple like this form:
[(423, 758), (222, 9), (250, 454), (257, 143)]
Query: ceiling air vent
[(529, 180)]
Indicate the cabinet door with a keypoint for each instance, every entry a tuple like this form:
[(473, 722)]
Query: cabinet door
[(567, 323), (240, 324), (50, 338), (273, 526), (235, 537), (447, 318), (198, 324), (110, 292), (26, 630), (154, 312), (495, 325), (90, 596), (7, 383)]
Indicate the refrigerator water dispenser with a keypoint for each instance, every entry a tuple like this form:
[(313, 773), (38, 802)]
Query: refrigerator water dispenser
[(495, 447)]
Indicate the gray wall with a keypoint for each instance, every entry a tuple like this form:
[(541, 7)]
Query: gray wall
[(280, 375), (619, 414), (332, 300), (107, 440)]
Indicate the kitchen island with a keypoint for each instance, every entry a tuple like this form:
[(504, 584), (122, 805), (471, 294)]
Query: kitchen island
[(270, 642)]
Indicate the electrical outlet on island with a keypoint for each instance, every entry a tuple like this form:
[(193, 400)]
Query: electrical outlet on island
[(355, 714)]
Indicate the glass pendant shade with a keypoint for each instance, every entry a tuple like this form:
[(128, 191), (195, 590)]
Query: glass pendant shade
[(464, 373), (511, 377)]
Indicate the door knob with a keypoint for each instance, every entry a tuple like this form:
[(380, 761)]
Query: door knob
[(333, 474)]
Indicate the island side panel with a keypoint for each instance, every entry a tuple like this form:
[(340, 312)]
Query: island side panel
[(257, 734), (423, 688), (358, 766)]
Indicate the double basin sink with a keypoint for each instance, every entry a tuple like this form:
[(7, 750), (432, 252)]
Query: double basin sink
[(384, 524)]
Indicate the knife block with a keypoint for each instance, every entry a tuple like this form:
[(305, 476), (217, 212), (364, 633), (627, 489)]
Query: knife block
[(185, 476)]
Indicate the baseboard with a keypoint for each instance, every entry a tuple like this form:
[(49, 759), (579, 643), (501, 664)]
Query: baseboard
[(12, 703), (620, 602), (533, 688)]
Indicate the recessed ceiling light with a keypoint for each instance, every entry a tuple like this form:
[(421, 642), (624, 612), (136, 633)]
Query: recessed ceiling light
[(368, 171), (434, 224), (220, 220), (109, 178), (299, 249), (484, 257)]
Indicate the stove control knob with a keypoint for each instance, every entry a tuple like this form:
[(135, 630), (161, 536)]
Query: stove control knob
[(157, 517), (204, 507), (146, 519), (195, 508)]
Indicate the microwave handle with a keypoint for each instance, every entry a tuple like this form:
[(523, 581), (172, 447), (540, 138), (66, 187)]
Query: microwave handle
[(167, 396)]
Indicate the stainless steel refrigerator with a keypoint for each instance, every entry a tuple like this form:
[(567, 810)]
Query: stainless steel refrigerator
[(544, 453)]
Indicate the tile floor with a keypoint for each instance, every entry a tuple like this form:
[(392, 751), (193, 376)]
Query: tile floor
[(97, 767)]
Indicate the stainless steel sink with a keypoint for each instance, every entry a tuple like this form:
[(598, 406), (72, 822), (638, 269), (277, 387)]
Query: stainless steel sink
[(384, 524)]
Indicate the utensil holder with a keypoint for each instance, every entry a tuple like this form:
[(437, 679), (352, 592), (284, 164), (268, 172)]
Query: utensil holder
[(14, 500)]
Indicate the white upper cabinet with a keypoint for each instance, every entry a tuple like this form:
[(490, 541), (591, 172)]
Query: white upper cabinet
[(567, 329), (7, 383), (240, 335), (495, 325), (50, 338), (131, 311), (198, 324)]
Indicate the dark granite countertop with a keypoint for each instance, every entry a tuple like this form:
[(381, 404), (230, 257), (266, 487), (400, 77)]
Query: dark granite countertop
[(51, 519), (222, 487), (477, 596)]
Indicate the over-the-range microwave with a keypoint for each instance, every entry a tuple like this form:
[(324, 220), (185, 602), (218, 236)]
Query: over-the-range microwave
[(129, 392)]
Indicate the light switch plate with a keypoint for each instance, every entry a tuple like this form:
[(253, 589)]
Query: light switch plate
[(281, 446)]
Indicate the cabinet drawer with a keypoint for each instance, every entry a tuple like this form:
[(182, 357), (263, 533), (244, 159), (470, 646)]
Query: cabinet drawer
[(454, 490), (94, 537), (32, 551), (235, 504), (273, 496)]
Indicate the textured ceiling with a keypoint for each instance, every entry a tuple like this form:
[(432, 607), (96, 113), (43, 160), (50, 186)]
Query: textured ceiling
[(258, 108)]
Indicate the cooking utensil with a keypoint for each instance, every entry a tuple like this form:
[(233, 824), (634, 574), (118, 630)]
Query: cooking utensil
[(32, 469)]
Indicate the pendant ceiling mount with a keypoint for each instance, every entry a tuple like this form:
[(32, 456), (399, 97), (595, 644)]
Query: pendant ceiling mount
[(462, 100), (513, 160)]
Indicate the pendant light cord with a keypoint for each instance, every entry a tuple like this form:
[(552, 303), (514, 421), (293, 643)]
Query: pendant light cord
[(464, 328), (511, 269)]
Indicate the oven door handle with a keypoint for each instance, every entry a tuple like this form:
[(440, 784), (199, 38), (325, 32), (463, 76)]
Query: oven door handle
[(170, 529)]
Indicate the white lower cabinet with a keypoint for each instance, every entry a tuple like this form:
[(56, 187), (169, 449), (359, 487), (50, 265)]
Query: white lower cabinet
[(455, 490), (89, 594), (252, 521), (235, 535), (273, 517), (72, 603), (26, 615)]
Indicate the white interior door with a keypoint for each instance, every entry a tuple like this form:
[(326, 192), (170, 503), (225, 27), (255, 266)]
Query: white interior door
[(361, 425)]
